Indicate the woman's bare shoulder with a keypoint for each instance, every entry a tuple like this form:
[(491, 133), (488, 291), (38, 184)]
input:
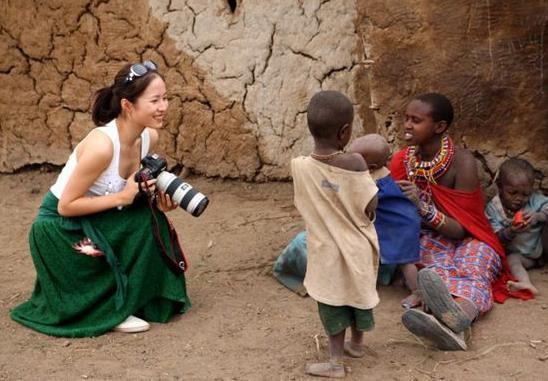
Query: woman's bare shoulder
[(96, 145), (153, 134), (466, 169)]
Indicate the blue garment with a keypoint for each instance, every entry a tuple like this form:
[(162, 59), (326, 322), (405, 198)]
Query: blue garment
[(397, 223), (527, 243), (398, 227), (290, 267)]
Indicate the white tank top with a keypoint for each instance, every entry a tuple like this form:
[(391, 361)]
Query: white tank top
[(110, 180)]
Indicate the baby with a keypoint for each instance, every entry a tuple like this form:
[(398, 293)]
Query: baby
[(518, 215), (397, 221)]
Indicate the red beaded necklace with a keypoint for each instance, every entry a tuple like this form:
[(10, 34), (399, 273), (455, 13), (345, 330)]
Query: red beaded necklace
[(429, 171)]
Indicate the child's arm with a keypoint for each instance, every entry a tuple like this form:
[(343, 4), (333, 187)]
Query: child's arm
[(371, 207), (534, 218)]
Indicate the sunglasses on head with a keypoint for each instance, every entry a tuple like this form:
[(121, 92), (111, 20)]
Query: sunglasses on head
[(140, 69)]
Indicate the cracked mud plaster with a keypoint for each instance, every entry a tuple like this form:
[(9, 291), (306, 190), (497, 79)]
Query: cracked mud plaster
[(240, 74), (270, 58)]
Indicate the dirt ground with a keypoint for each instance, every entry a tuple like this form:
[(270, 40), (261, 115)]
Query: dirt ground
[(244, 325)]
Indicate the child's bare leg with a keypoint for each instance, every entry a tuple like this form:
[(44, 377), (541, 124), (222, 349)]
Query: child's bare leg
[(335, 367), (354, 347), (410, 272), (527, 263), (517, 268), (544, 239)]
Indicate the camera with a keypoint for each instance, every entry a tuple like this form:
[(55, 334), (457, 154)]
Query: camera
[(154, 166)]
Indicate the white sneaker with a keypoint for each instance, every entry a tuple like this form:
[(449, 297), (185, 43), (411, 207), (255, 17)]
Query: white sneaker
[(132, 325)]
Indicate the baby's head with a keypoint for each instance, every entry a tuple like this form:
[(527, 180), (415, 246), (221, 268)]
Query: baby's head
[(330, 115), (515, 182), (374, 148)]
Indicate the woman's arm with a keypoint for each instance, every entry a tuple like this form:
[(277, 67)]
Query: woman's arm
[(163, 201), (153, 134), (466, 179), (466, 176), (94, 155)]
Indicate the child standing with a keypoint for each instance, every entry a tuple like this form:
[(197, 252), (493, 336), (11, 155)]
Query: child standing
[(518, 216), (397, 221), (335, 195)]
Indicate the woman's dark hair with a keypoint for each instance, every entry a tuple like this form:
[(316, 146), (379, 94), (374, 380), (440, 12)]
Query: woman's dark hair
[(441, 106), (106, 104)]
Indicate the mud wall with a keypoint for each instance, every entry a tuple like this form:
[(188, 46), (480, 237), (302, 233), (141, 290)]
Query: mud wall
[(489, 57), (240, 74)]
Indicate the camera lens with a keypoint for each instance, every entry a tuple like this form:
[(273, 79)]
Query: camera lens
[(182, 193)]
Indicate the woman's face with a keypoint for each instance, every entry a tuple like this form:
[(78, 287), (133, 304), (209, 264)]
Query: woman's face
[(150, 108), (419, 127)]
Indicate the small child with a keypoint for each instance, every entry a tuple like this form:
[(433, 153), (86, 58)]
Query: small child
[(336, 196), (518, 215), (397, 221)]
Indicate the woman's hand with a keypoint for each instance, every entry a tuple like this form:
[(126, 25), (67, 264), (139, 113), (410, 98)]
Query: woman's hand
[(164, 202), (132, 188), (410, 190)]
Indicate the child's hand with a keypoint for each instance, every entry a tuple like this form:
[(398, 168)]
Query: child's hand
[(531, 219), (410, 190), (518, 228)]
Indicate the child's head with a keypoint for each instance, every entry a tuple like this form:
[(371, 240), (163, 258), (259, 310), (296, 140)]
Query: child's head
[(427, 115), (330, 115), (374, 148), (515, 182)]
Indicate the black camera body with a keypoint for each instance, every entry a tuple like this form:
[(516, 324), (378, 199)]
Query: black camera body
[(189, 198), (151, 167)]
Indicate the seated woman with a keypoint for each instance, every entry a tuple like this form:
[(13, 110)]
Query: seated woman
[(465, 265), (99, 256)]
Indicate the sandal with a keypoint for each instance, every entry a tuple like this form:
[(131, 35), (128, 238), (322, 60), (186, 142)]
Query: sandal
[(440, 302), (427, 326)]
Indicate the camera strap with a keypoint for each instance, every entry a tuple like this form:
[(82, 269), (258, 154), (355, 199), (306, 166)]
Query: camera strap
[(176, 259)]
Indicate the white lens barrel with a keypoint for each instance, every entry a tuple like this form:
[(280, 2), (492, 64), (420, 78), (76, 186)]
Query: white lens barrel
[(193, 204), (164, 179), (178, 189)]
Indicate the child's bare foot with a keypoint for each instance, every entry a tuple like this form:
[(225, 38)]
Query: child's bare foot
[(515, 286), (326, 369), (358, 350), (354, 350), (412, 300)]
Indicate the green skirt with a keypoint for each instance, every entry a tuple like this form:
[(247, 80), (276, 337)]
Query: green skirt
[(76, 295)]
